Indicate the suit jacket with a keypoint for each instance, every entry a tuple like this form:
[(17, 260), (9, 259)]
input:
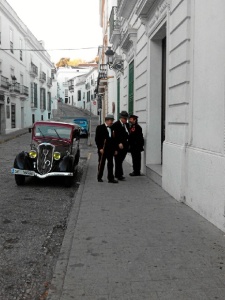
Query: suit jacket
[(136, 139), (120, 133), (102, 137)]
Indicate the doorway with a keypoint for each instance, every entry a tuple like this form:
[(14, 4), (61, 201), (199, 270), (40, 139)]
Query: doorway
[(156, 130), (163, 108), (1, 118), (22, 117), (13, 116)]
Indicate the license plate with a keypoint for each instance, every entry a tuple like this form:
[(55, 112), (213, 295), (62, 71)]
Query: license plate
[(22, 172)]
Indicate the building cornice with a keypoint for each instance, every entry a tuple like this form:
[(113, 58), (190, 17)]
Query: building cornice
[(125, 7), (143, 7)]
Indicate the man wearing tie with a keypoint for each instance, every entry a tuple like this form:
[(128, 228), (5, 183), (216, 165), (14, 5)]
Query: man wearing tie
[(105, 142), (121, 133)]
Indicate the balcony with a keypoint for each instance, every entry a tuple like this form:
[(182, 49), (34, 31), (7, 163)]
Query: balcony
[(42, 77), (24, 92), (49, 82), (102, 73), (87, 86), (4, 83), (71, 85), (114, 27), (14, 88), (33, 70)]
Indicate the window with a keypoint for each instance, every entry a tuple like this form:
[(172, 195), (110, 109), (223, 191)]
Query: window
[(79, 95), (33, 88), (88, 96), (49, 101), (131, 88), (118, 97), (21, 53), (42, 99), (11, 40)]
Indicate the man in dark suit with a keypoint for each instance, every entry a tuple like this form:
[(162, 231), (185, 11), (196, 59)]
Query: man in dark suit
[(105, 142), (121, 133), (136, 144)]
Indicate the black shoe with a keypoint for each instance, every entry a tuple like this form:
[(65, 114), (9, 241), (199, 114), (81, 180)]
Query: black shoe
[(113, 181), (100, 180), (121, 178), (135, 174)]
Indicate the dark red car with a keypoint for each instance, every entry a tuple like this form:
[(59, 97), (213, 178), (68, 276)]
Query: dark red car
[(54, 152)]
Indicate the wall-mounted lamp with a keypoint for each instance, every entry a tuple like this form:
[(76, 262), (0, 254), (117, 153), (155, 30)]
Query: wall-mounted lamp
[(113, 60)]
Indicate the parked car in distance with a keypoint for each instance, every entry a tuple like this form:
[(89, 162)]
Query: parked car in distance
[(54, 151), (83, 123)]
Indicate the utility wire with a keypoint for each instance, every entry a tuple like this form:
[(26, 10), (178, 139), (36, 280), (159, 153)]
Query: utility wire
[(43, 50)]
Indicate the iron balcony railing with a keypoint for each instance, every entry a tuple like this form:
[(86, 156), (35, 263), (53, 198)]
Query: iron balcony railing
[(42, 76), (49, 81), (15, 87), (114, 22), (4, 82), (102, 71), (87, 86), (24, 90), (33, 70)]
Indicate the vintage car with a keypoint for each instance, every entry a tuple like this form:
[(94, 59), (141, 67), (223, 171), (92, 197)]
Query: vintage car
[(54, 151), (83, 123)]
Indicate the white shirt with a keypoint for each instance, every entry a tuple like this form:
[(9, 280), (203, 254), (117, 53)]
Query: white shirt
[(109, 130)]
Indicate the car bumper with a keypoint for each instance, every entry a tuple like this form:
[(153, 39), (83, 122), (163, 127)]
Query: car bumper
[(34, 174)]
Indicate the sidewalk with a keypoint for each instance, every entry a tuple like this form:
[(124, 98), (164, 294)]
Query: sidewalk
[(133, 241), (7, 137)]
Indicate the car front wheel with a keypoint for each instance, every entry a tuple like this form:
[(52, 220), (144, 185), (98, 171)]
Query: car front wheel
[(20, 179), (68, 181)]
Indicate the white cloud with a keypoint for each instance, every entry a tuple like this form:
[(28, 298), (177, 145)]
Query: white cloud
[(67, 24)]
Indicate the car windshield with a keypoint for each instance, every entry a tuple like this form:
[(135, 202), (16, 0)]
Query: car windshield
[(52, 131)]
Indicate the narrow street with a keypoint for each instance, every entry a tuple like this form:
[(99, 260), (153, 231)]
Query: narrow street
[(33, 221)]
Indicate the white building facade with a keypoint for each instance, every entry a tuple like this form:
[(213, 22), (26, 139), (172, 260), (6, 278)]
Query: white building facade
[(26, 74), (82, 90), (173, 53)]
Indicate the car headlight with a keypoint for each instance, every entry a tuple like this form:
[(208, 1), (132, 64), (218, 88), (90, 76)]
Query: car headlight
[(56, 155), (33, 154)]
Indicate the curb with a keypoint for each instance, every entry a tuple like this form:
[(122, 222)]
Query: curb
[(56, 285), (9, 137)]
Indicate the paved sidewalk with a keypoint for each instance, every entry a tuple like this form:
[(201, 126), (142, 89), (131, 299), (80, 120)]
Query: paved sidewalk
[(7, 137), (133, 241)]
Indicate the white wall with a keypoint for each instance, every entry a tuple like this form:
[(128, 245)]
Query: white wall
[(9, 61)]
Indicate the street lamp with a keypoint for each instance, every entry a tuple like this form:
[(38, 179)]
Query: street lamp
[(113, 60)]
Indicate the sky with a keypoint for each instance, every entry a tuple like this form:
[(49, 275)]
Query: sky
[(67, 24)]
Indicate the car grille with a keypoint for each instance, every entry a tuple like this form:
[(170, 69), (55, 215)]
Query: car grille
[(45, 158)]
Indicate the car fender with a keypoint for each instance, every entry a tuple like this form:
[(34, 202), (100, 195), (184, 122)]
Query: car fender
[(66, 164), (22, 161)]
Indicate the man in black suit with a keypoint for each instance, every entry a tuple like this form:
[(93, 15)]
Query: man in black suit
[(121, 133), (136, 145), (105, 142)]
